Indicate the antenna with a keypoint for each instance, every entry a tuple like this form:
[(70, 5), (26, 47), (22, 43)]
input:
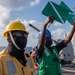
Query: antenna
[(34, 27)]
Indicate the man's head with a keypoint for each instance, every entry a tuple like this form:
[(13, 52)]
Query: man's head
[(16, 33), (48, 40)]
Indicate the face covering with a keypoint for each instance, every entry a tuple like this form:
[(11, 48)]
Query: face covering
[(48, 43), (21, 42)]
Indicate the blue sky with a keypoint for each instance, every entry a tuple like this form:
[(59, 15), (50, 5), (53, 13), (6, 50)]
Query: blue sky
[(29, 11)]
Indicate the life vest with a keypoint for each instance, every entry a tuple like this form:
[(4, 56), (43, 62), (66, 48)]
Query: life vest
[(11, 66), (50, 64), (35, 65)]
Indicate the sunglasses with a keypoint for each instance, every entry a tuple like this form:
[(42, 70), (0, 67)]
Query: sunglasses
[(19, 34)]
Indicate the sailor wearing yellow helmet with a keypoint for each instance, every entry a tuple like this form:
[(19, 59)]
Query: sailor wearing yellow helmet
[(13, 59)]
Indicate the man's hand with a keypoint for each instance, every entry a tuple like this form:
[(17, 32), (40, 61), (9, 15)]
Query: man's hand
[(49, 19)]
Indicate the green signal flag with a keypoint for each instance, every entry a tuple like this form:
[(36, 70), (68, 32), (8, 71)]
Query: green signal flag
[(65, 6), (61, 12), (70, 17)]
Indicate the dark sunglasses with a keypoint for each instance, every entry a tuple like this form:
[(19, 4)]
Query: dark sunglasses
[(19, 34)]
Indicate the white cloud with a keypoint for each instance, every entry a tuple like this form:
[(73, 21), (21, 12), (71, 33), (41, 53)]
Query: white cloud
[(58, 34), (4, 17), (18, 4), (12, 4), (4, 13), (57, 24), (7, 6), (34, 3), (34, 23)]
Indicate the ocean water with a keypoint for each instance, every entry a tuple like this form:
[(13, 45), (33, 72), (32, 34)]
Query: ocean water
[(27, 49), (2, 47)]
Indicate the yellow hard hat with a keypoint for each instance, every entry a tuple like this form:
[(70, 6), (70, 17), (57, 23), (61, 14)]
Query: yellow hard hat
[(15, 25)]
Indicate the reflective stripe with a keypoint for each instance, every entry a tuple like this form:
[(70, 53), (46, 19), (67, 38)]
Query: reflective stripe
[(30, 62), (46, 52), (11, 67), (57, 13)]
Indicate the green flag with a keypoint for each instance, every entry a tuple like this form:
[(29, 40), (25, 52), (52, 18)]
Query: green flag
[(70, 17), (61, 12)]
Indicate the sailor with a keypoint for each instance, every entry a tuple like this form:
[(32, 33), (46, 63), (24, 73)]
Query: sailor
[(33, 53), (47, 56), (13, 59)]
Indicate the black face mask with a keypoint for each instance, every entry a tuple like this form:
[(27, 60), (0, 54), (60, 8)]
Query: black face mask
[(48, 43), (20, 41)]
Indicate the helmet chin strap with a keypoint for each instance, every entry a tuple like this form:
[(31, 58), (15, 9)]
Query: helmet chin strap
[(13, 41)]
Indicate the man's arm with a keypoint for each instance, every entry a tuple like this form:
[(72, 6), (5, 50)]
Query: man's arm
[(70, 35), (43, 34)]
